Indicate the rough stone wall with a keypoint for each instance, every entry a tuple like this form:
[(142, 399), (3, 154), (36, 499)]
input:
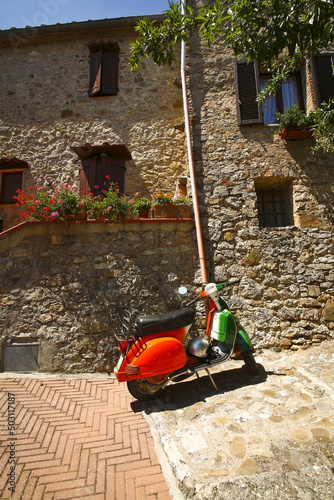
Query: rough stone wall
[(286, 293), (45, 109), (66, 287), (67, 290)]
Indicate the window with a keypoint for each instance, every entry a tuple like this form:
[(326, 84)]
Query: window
[(103, 73), (248, 83), (99, 171), (288, 95), (10, 183), (99, 162), (274, 201), (11, 178)]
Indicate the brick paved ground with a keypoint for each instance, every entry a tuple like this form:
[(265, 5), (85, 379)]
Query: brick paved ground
[(76, 439)]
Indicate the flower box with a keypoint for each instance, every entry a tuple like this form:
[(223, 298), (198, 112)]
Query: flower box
[(80, 214), (293, 132), (171, 211)]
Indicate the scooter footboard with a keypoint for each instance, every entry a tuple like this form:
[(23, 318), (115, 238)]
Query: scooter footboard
[(154, 357)]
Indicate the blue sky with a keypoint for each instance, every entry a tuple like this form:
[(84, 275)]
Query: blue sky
[(21, 13)]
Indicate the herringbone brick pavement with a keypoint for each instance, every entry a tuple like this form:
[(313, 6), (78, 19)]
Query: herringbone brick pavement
[(75, 439)]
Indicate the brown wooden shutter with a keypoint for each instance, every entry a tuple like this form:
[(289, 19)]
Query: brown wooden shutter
[(110, 73), (95, 73), (323, 77), (247, 86), (114, 168), (88, 175)]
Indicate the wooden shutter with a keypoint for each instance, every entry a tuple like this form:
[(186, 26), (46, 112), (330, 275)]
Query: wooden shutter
[(114, 168), (95, 73), (247, 87), (323, 77), (110, 73), (88, 175)]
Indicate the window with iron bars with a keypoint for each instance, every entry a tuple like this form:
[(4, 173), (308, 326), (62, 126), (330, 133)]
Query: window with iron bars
[(274, 202)]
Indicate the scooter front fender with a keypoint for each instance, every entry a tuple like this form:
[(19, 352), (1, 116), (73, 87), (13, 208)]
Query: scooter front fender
[(242, 342), (155, 357)]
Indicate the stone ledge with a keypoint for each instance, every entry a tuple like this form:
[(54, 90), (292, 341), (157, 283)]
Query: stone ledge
[(14, 235)]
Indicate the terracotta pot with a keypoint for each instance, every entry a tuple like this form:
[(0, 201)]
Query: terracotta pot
[(101, 216), (171, 211), (296, 132), (143, 214)]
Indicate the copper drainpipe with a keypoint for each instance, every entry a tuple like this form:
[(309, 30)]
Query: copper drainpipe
[(197, 216)]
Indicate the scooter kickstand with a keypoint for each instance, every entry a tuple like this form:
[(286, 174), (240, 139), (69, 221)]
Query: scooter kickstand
[(213, 382)]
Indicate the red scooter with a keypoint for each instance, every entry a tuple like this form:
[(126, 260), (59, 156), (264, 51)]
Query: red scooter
[(153, 353)]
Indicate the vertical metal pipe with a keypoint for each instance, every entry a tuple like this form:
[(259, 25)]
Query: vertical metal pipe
[(197, 217)]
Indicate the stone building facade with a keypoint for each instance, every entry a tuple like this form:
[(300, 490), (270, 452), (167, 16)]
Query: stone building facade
[(285, 298), (61, 290), (63, 287), (51, 120)]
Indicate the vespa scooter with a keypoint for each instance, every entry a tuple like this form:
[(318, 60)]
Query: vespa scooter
[(153, 353)]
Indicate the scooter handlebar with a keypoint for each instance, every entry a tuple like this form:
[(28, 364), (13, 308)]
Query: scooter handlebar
[(219, 287), (235, 282), (193, 301)]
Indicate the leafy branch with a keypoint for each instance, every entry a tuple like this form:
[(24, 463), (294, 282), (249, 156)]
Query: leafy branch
[(260, 29)]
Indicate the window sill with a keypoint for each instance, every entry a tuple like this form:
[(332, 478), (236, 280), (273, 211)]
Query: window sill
[(280, 228)]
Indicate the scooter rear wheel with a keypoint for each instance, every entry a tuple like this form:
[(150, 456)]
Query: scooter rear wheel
[(250, 361), (140, 389)]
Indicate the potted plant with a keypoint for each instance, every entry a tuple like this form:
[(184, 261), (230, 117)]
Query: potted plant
[(110, 205), (143, 206), (294, 124), (62, 203), (164, 206)]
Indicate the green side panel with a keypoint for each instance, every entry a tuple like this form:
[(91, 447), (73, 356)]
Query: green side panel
[(224, 327)]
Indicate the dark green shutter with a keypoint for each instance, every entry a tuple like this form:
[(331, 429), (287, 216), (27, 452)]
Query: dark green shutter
[(247, 87), (323, 77), (110, 73), (88, 175)]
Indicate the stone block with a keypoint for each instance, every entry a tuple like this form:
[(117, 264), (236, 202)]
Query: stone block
[(21, 358), (328, 311)]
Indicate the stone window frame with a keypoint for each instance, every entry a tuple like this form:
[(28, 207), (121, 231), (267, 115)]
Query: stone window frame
[(274, 201), (103, 68)]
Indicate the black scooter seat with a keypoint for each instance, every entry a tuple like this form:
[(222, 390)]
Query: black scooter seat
[(159, 323)]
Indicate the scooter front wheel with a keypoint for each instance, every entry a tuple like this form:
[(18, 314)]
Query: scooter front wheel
[(250, 361), (142, 390)]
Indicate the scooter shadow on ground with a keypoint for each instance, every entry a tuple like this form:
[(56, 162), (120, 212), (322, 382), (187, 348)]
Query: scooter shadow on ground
[(193, 390)]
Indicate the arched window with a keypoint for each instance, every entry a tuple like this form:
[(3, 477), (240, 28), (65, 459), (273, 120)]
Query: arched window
[(11, 177)]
